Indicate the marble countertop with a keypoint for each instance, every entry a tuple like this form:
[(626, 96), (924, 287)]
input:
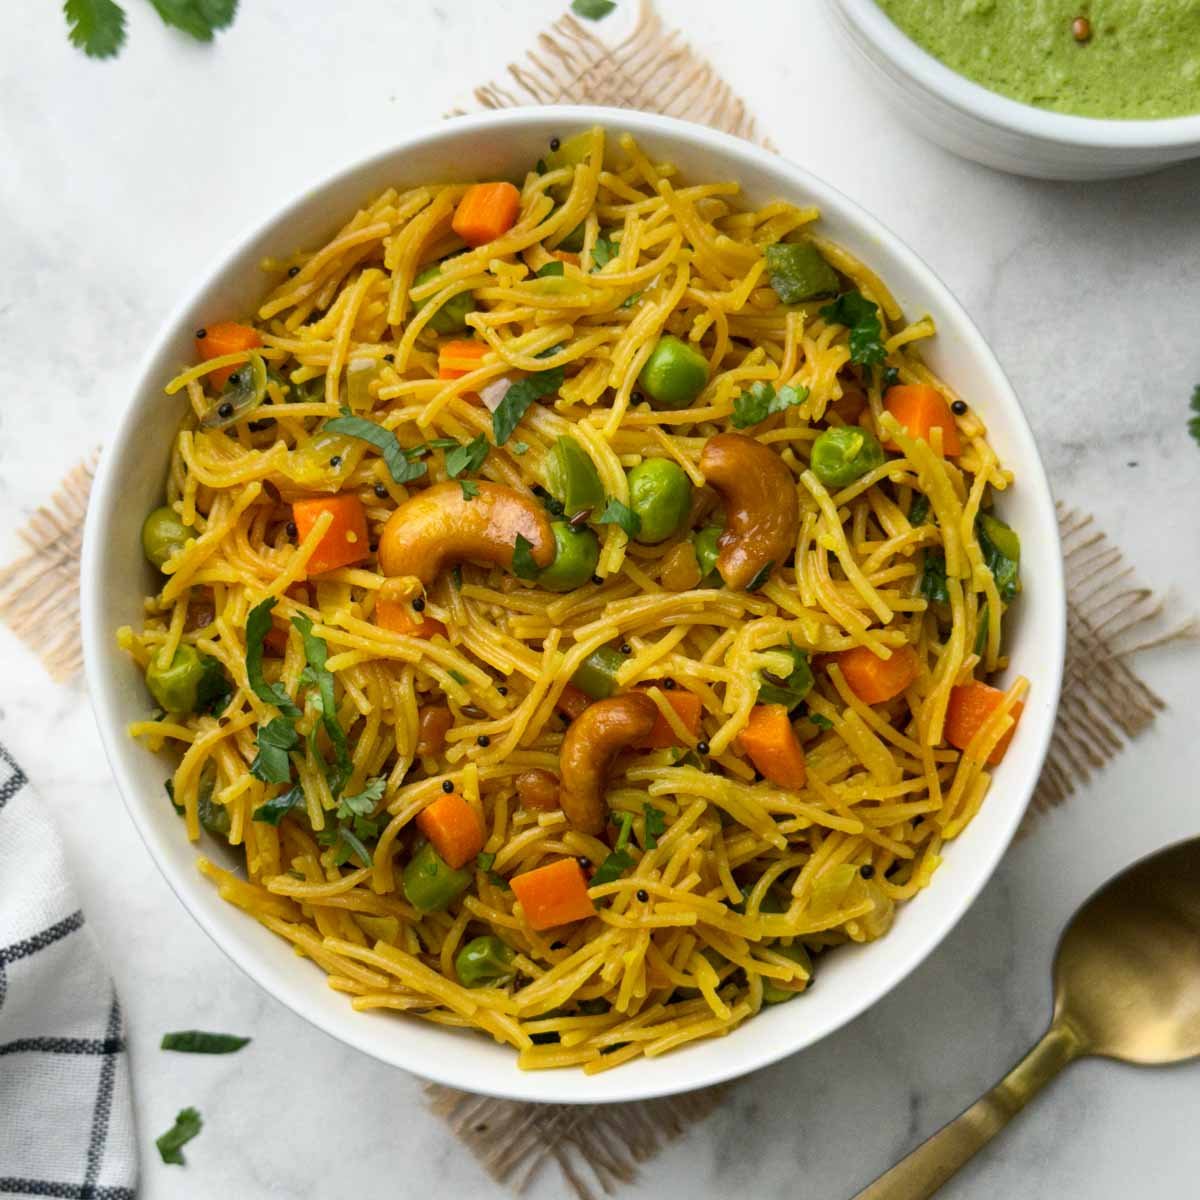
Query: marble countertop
[(119, 180)]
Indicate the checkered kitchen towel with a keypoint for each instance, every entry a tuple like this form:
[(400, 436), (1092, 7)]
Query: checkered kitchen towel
[(66, 1111)]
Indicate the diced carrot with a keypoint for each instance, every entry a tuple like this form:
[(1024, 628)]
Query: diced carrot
[(486, 211), (225, 337), (344, 542), (572, 702), (873, 679), (688, 707), (460, 357), (554, 894), (920, 408), (453, 827), (397, 616), (770, 742), (970, 705)]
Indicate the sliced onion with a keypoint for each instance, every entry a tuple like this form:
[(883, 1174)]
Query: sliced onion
[(494, 392)]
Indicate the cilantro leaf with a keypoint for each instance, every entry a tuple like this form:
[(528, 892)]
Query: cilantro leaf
[(1001, 553), (199, 18), (196, 1041), (258, 625), (523, 564), (861, 317), (363, 804), (819, 720), (918, 512), (792, 690), (550, 270), (613, 867), (625, 820), (315, 652), (760, 401), (187, 1125), (97, 27), (347, 845), (592, 10), (470, 489), (631, 299), (484, 860), (1194, 422), (400, 465), (655, 827), (604, 251), (933, 578), (275, 739), (616, 513), (467, 458), (519, 397), (275, 809)]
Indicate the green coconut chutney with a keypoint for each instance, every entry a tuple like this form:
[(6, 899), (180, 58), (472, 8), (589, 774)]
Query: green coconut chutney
[(1137, 59)]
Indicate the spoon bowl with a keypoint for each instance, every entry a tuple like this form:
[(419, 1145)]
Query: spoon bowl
[(1127, 973), (1126, 986)]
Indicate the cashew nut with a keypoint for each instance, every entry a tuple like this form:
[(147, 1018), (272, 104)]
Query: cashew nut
[(762, 516), (440, 525), (594, 739)]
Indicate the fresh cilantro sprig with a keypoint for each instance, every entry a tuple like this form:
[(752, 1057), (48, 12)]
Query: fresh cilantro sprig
[(760, 401), (861, 317), (819, 720), (655, 825), (604, 251), (400, 462), (466, 458), (275, 739), (97, 27), (274, 810), (619, 859), (933, 578), (523, 564)]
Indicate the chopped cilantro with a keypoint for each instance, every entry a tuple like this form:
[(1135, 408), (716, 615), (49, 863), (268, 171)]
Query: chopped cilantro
[(760, 401), (170, 1144), (275, 809), (764, 573), (550, 270), (199, 18), (891, 377), (470, 489), (399, 464), (861, 317), (604, 251), (275, 739), (616, 513), (196, 1041), (592, 10), (1194, 421), (315, 673), (933, 578), (631, 300), (519, 397), (918, 512), (820, 721), (97, 27), (523, 564), (258, 624), (466, 458), (655, 825)]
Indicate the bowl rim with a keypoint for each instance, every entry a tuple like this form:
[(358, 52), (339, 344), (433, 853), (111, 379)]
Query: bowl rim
[(557, 1086), (1002, 111)]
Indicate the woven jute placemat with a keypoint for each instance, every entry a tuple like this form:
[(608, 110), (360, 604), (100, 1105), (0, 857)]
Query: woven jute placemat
[(1110, 618)]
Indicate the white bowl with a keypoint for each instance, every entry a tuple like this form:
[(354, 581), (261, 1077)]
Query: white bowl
[(115, 578), (986, 127)]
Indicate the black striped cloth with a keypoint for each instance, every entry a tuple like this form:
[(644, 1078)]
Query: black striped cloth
[(66, 1111)]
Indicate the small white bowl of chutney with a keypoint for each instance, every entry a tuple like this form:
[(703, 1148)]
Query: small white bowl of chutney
[(1059, 89)]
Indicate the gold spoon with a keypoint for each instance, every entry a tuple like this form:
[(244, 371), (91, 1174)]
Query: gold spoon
[(1126, 986)]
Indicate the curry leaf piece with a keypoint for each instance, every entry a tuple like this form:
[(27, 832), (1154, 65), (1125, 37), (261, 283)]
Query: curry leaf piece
[(519, 397), (258, 625), (401, 467)]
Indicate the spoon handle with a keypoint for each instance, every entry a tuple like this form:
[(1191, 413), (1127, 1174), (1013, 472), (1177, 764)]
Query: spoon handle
[(923, 1171)]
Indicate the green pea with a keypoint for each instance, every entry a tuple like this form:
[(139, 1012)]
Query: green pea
[(572, 478), (430, 883), (596, 676), (705, 543), (674, 374), (452, 316), (661, 495), (483, 961), (775, 993), (163, 535), (190, 683), (576, 553), (845, 453)]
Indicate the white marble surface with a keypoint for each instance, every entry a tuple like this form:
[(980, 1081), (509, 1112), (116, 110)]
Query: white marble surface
[(118, 181)]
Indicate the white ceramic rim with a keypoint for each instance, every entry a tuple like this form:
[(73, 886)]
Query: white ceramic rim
[(570, 1085), (1006, 113)]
